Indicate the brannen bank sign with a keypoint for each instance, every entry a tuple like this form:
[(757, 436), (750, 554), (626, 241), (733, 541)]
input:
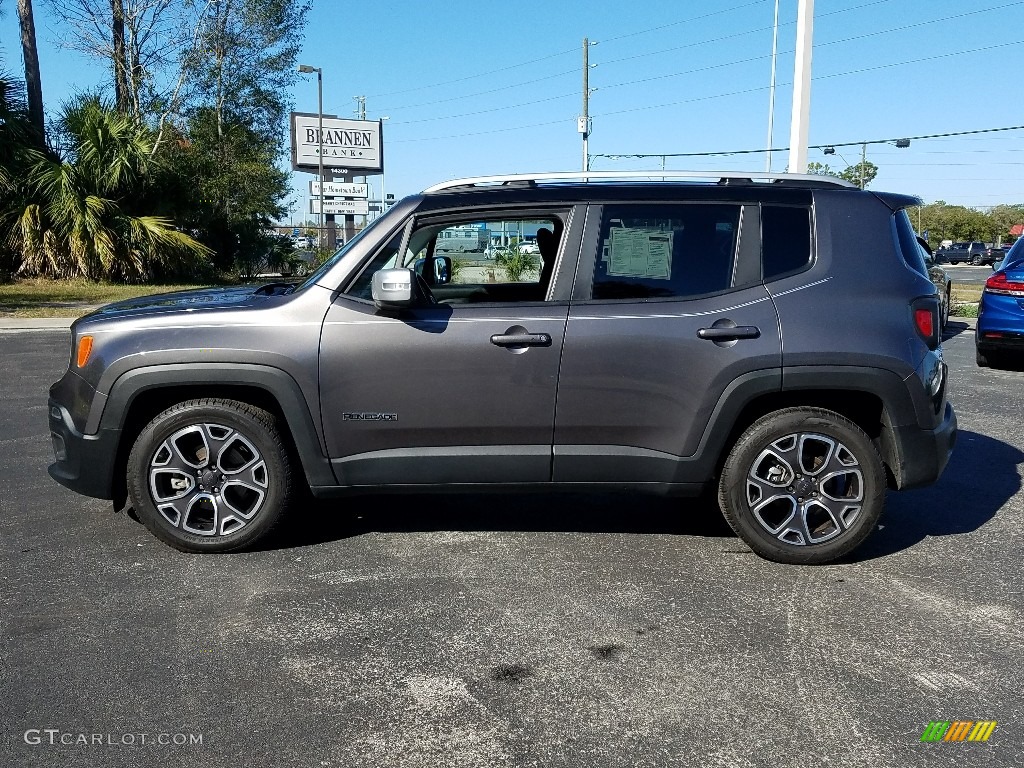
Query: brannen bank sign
[(347, 144)]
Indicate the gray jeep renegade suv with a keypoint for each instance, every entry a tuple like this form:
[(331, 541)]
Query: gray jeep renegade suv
[(775, 335)]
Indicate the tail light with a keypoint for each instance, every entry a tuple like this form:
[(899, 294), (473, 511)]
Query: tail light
[(1000, 284), (926, 320)]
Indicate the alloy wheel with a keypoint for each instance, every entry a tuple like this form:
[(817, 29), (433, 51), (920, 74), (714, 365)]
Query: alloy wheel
[(208, 479), (805, 488)]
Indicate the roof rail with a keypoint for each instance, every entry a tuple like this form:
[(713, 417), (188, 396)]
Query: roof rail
[(722, 177)]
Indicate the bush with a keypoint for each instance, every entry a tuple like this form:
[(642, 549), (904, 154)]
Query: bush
[(516, 264)]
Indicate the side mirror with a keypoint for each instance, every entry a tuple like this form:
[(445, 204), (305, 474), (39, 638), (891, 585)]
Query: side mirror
[(442, 270), (394, 288), (441, 273)]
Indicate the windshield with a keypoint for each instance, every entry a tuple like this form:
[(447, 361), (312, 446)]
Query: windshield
[(337, 256)]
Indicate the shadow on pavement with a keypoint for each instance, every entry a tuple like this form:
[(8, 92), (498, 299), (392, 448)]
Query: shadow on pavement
[(982, 475), (315, 522), (955, 328)]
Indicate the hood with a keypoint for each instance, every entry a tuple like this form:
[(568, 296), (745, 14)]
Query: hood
[(235, 297)]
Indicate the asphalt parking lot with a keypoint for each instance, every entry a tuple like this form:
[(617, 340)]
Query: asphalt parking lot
[(965, 274), (533, 631)]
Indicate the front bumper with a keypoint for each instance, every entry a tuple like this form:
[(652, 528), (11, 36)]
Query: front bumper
[(84, 463), (924, 453)]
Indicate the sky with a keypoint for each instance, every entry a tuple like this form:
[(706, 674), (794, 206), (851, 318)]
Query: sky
[(480, 87)]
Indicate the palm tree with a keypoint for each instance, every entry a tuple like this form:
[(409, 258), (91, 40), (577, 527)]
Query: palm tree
[(17, 140), (81, 219), (31, 54)]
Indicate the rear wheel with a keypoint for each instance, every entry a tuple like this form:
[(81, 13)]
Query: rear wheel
[(976, 261), (803, 485), (210, 475), (988, 359)]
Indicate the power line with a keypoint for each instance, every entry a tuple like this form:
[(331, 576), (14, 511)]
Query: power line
[(606, 41), (737, 34), (675, 74), (781, 53), (574, 71), (819, 77), (814, 146), (682, 21), (473, 77)]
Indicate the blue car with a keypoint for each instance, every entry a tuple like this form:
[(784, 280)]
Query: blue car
[(1000, 330)]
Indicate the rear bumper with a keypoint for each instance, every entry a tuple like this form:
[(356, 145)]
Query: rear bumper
[(84, 463), (924, 453), (1006, 341)]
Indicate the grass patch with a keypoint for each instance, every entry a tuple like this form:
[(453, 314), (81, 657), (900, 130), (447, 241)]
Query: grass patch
[(964, 300), (39, 297), (963, 294)]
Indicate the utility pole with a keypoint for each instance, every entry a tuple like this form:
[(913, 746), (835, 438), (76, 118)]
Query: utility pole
[(801, 115), (771, 89), (585, 121), (863, 160), (360, 107)]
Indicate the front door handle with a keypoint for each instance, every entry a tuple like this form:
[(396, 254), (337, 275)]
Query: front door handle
[(521, 340), (730, 333)]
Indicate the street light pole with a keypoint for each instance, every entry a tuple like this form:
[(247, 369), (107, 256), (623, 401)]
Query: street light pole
[(383, 196), (306, 69)]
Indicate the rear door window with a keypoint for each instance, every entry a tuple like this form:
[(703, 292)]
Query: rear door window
[(666, 251)]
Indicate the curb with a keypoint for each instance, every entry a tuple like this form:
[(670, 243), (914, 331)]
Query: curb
[(30, 324)]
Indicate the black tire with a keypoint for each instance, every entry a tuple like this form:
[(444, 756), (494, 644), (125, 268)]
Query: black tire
[(976, 261), (231, 499), (990, 359), (856, 490), (945, 311)]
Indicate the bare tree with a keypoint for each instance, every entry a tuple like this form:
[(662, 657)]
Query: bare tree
[(33, 81), (148, 43)]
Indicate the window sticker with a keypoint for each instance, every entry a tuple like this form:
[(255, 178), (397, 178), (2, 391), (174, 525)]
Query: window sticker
[(645, 253)]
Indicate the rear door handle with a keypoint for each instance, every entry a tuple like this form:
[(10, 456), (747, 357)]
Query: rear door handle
[(521, 340), (730, 333)]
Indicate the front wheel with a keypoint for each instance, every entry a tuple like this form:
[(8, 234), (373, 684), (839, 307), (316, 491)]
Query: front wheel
[(210, 475), (803, 485)]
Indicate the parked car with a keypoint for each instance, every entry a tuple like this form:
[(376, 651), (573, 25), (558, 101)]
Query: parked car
[(999, 334), (696, 333), (994, 254), (940, 278), (975, 252)]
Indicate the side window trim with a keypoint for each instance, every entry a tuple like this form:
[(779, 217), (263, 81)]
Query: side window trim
[(367, 263), (746, 268), (591, 246)]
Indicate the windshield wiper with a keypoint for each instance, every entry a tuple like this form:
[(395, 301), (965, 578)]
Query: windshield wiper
[(270, 289)]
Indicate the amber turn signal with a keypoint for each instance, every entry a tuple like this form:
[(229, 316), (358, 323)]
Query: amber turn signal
[(84, 350)]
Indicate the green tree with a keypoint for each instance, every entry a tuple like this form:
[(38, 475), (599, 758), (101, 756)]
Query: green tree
[(1004, 217), (861, 174), (247, 60), (821, 169), (87, 213), (953, 222), (222, 182), (18, 145), (851, 173)]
